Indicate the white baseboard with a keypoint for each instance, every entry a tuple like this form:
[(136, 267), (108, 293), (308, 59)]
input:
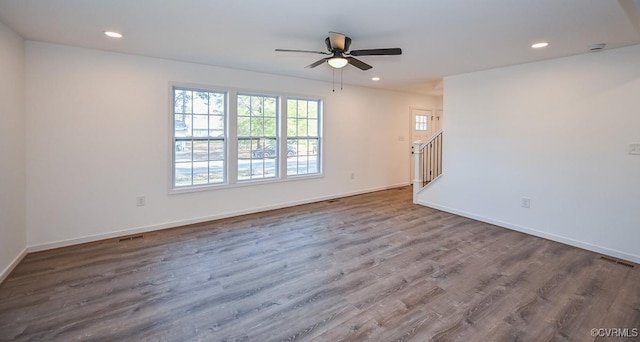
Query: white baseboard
[(7, 270), (173, 224), (568, 241)]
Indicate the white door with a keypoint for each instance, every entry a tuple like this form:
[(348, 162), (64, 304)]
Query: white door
[(422, 127), (422, 124)]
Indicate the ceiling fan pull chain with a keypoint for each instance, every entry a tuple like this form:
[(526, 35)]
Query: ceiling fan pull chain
[(341, 70), (333, 80)]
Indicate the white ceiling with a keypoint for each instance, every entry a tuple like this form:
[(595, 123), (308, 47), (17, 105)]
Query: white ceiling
[(438, 38)]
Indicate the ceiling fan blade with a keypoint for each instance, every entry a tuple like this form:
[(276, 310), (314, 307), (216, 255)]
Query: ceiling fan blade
[(376, 52), (337, 40), (358, 63), (316, 63), (304, 51)]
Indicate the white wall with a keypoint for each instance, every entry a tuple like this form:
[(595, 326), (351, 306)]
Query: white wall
[(12, 150), (556, 132), (98, 136)]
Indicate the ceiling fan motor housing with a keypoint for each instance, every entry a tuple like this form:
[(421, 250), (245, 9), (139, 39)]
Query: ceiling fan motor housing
[(347, 43)]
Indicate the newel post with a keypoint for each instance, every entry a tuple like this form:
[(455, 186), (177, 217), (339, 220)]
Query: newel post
[(417, 179)]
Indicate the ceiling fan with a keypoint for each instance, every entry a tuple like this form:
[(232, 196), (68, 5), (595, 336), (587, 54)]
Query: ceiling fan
[(338, 48)]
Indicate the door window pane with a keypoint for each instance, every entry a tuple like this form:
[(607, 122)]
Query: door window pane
[(421, 122)]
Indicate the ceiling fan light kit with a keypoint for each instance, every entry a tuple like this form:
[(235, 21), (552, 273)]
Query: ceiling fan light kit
[(338, 62)]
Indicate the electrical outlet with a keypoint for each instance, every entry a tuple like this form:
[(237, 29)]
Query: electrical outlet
[(141, 201), (353, 175), (526, 203), (634, 149)]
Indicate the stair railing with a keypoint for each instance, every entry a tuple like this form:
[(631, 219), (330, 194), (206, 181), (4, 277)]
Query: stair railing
[(428, 162)]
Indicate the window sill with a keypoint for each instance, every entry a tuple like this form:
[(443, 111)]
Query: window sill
[(240, 184)]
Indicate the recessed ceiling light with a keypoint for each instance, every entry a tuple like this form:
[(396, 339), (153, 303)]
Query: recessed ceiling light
[(375, 78), (540, 45), (113, 34)]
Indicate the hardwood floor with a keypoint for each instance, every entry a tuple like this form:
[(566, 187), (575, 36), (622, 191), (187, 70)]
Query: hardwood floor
[(369, 267)]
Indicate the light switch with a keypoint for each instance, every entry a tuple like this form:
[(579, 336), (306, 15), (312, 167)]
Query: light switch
[(634, 149)]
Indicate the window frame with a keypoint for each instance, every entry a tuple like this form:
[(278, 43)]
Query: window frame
[(277, 137), (320, 135), (231, 138), (173, 140)]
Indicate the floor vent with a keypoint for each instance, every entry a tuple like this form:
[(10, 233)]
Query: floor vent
[(332, 201), (129, 238), (626, 264), (615, 261)]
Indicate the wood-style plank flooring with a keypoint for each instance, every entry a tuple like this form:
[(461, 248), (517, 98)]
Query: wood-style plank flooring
[(372, 267)]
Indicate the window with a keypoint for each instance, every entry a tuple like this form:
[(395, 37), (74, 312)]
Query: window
[(303, 136), (199, 137), (223, 138), (421, 122), (257, 137)]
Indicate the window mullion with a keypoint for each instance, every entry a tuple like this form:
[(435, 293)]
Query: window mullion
[(232, 136), (282, 118)]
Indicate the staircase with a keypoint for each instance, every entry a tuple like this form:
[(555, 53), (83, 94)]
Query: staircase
[(428, 162)]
